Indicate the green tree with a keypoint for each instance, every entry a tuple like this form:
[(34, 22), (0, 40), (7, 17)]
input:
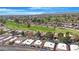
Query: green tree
[(1, 31), (17, 21), (49, 35), (61, 37), (11, 43), (28, 25)]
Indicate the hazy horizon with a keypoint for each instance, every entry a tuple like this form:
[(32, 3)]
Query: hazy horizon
[(36, 10)]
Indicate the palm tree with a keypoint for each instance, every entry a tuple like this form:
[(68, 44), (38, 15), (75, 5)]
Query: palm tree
[(38, 35), (67, 40), (61, 37), (49, 36), (13, 33), (23, 34), (55, 24)]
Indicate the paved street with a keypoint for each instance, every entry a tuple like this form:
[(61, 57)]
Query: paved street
[(10, 48)]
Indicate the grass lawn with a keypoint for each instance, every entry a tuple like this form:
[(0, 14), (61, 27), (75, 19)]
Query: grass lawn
[(13, 25)]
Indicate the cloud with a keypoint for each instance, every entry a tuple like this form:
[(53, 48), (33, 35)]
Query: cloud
[(3, 9), (10, 10), (30, 11), (20, 13), (34, 13), (34, 8), (40, 8)]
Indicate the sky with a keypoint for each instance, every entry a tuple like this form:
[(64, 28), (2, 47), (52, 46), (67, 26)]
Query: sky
[(36, 10)]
